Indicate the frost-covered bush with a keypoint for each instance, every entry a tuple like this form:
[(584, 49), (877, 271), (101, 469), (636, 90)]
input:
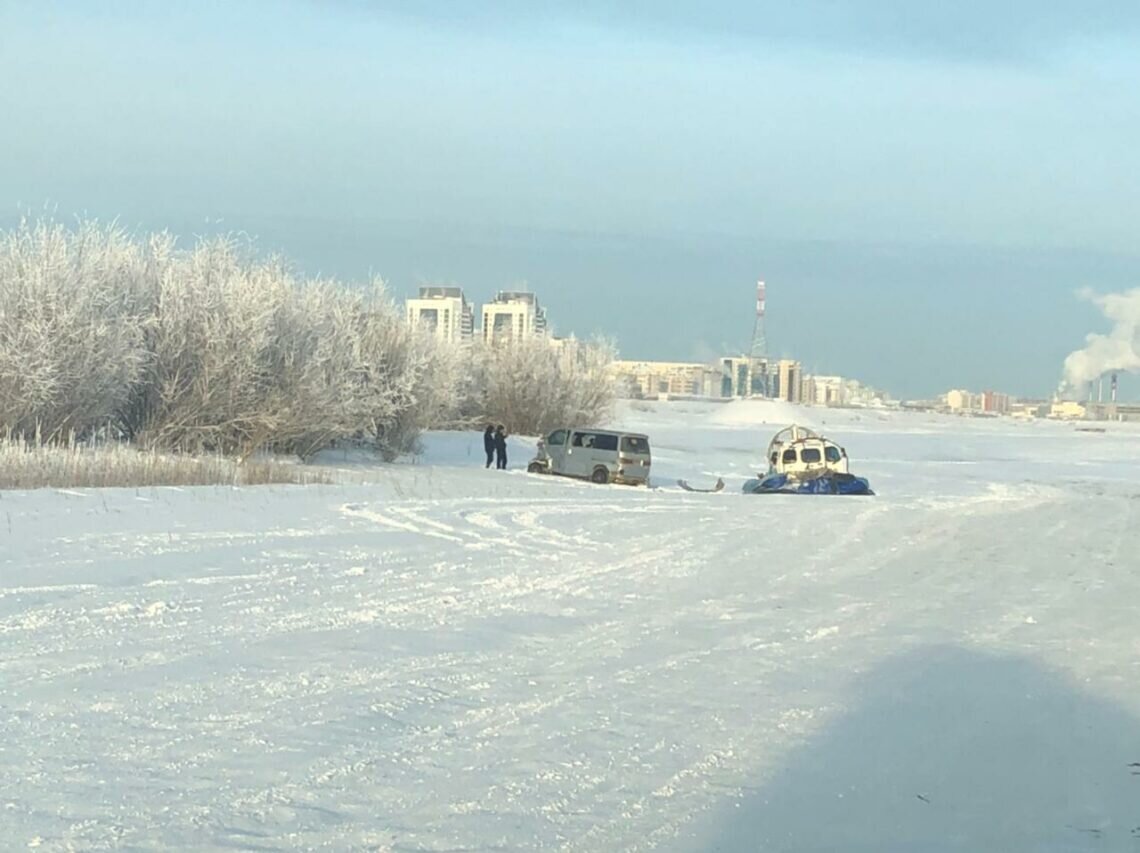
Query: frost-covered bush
[(215, 350), (534, 385), (247, 356), (433, 372), (72, 326), (210, 349), (210, 380), (407, 378)]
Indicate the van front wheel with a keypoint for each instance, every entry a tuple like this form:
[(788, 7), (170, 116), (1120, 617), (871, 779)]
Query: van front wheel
[(600, 476)]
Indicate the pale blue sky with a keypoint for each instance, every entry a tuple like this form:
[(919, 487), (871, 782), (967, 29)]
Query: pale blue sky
[(924, 188)]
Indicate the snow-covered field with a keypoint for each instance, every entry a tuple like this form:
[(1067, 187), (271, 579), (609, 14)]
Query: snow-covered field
[(448, 658)]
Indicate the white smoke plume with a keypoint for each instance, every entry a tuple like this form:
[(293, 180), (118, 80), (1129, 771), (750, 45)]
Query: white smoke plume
[(1119, 350)]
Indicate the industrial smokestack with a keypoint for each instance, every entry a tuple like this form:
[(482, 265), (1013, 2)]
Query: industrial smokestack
[(1089, 398), (1113, 386), (1100, 391)]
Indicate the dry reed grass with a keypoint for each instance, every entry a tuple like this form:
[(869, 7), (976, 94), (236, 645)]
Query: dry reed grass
[(30, 465)]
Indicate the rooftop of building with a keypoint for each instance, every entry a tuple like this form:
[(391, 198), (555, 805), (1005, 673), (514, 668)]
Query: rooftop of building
[(440, 292), (646, 364), (526, 296)]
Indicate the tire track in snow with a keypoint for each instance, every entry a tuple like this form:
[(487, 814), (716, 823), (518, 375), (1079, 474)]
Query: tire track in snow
[(703, 781), (360, 511), (485, 725)]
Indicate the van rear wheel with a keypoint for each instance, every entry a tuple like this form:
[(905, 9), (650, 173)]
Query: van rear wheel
[(536, 468), (600, 476)]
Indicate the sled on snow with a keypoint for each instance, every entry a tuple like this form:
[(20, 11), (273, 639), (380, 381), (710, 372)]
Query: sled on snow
[(719, 487)]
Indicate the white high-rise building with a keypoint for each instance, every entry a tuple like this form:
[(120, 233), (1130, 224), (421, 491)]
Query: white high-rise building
[(789, 379), (513, 316), (443, 310)]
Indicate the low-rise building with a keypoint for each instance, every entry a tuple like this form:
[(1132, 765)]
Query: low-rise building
[(1067, 410), (649, 379), (734, 377), (825, 391), (962, 401), (1028, 409)]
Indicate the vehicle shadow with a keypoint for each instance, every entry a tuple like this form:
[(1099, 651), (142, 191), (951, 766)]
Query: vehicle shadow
[(948, 749)]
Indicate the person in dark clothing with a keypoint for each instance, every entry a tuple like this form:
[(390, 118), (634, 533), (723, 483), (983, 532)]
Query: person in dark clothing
[(489, 443), (500, 448)]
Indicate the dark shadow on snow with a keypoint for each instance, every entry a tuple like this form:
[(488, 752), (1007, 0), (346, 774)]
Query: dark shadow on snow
[(950, 750)]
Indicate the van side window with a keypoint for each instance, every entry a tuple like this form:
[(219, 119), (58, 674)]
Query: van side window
[(832, 454), (605, 442), (810, 454), (634, 444), (578, 439), (789, 455), (557, 438)]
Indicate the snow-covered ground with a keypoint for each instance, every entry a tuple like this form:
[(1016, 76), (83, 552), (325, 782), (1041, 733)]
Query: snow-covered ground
[(449, 658)]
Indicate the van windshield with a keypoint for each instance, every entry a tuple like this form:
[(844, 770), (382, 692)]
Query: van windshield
[(634, 444)]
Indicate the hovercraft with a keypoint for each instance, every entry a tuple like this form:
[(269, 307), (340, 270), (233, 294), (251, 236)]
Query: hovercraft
[(803, 462)]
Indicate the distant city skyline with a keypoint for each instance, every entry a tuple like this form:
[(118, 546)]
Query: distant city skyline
[(925, 193)]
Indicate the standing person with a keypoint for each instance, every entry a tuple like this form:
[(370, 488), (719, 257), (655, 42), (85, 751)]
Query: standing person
[(489, 443), (500, 448)]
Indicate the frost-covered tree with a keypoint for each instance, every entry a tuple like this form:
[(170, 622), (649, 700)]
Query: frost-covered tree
[(532, 386)]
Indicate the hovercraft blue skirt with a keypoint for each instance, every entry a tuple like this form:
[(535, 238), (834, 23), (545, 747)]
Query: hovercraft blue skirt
[(827, 484)]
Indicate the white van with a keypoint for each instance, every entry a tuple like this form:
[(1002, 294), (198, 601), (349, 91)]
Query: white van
[(598, 455)]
